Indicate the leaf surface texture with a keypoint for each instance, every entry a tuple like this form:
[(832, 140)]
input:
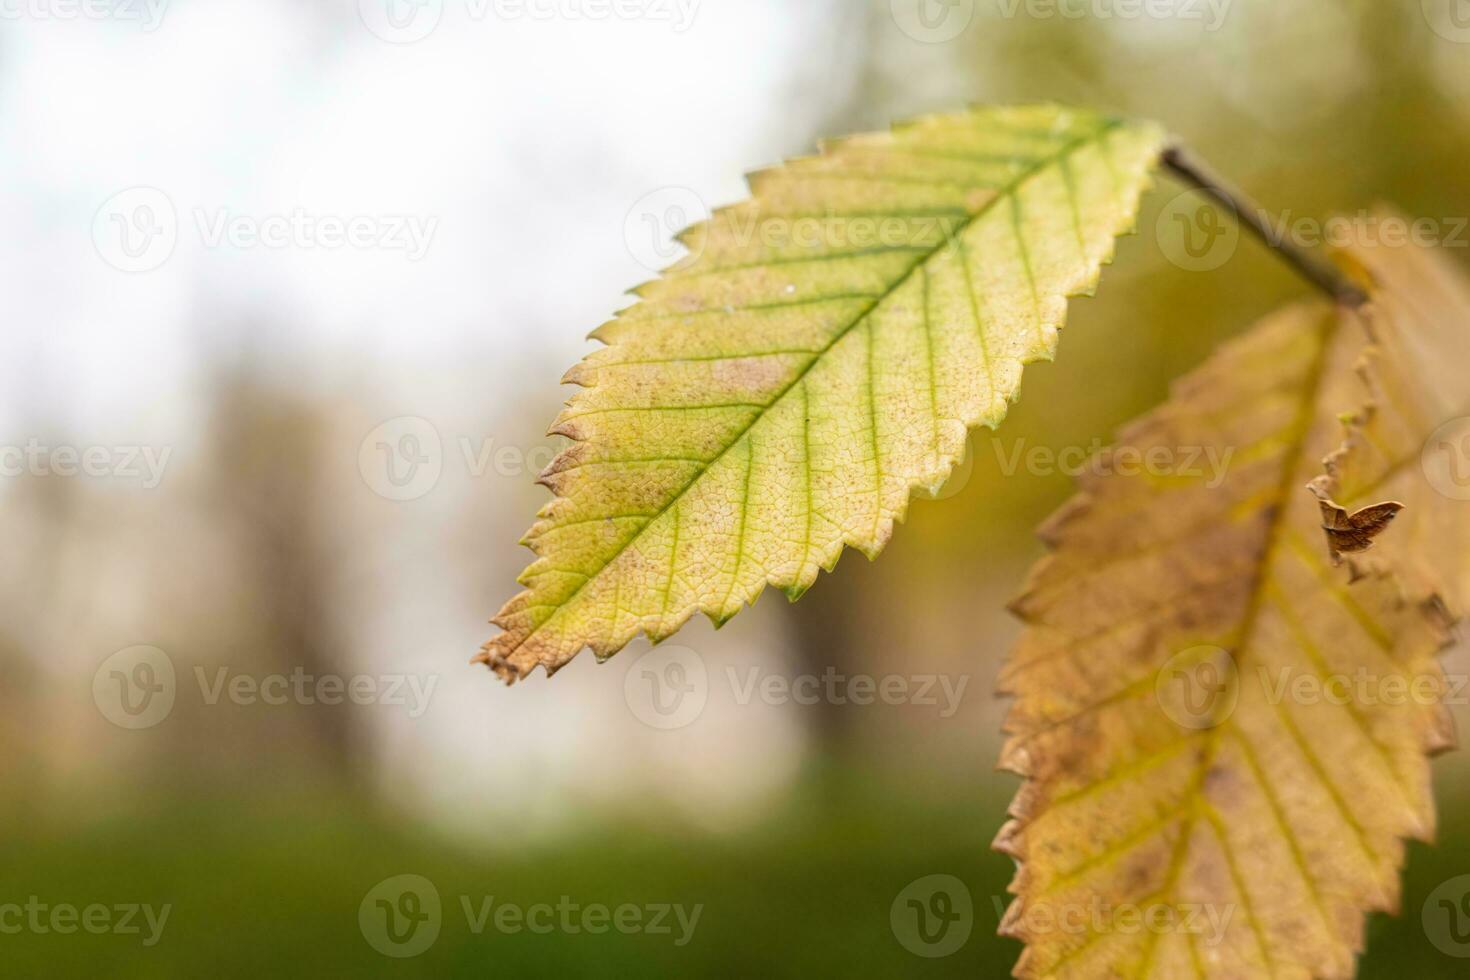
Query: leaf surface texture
[(1189, 715), (821, 354)]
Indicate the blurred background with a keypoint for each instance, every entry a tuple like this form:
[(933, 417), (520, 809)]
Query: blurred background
[(290, 285)]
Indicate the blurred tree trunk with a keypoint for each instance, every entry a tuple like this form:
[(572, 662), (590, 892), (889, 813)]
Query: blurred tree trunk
[(828, 634), (271, 451), (44, 513)]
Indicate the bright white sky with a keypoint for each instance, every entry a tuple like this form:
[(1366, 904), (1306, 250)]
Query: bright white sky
[(524, 141)]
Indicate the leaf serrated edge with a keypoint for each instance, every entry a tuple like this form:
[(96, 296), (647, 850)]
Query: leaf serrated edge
[(499, 660)]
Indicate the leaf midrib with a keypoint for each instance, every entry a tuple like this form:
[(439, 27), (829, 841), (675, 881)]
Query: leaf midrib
[(1195, 804), (1261, 578), (1004, 193)]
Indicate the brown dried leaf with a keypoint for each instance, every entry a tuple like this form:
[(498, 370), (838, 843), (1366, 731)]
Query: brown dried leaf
[(1211, 789), (1408, 443)]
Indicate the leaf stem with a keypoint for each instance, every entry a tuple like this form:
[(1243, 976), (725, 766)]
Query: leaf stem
[(1316, 270)]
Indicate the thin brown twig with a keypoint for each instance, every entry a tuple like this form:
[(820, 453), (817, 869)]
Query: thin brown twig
[(1321, 273)]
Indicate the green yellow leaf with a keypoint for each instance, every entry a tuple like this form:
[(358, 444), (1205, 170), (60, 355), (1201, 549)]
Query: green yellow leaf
[(1224, 736), (821, 354)]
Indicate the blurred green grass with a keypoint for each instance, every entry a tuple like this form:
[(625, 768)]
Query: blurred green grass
[(271, 886)]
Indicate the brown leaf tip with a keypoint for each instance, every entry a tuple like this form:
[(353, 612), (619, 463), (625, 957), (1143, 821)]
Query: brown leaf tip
[(502, 667)]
